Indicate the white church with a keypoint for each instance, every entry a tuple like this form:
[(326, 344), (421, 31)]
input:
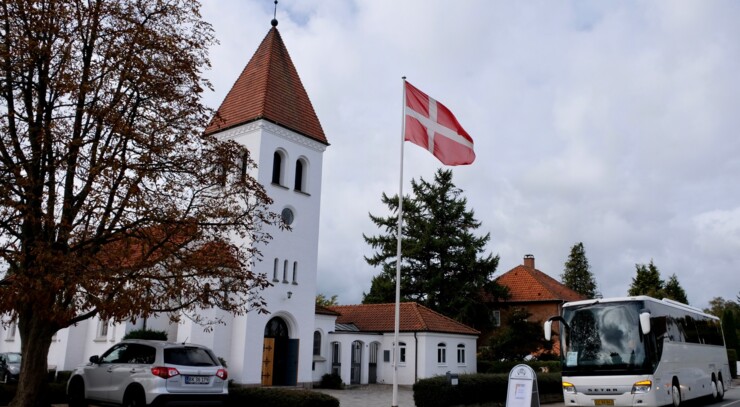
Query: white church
[(269, 111)]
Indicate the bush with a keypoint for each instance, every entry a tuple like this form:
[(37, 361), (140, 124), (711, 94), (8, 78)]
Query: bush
[(257, 396), (483, 389), (732, 358), (488, 366), (146, 334), (331, 381)]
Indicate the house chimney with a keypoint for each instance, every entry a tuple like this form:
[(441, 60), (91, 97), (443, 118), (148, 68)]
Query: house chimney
[(529, 260)]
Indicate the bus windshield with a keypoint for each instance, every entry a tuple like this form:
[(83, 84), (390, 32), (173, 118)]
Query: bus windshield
[(603, 338)]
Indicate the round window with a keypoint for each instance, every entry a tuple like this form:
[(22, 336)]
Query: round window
[(287, 216)]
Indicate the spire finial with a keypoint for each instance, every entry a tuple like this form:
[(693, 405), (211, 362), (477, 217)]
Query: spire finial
[(274, 16)]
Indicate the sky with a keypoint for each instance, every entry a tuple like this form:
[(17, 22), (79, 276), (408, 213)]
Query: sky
[(614, 124)]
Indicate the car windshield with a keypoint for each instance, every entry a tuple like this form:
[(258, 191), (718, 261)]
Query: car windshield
[(189, 356), (14, 358), (603, 337)]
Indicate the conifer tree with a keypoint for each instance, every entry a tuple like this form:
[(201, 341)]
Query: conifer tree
[(577, 274), (674, 291), (647, 281), (444, 266)]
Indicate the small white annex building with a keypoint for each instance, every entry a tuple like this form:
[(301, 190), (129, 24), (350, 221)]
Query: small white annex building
[(269, 111)]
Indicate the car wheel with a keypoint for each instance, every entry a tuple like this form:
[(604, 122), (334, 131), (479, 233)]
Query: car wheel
[(676, 393), (76, 393), (134, 398)]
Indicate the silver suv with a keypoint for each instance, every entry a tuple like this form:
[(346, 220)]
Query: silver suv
[(146, 372)]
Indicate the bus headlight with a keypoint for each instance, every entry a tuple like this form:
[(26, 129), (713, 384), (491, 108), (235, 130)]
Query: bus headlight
[(643, 386), (569, 388)]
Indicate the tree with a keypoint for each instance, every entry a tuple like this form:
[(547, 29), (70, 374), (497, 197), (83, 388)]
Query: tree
[(730, 328), (443, 264), (323, 301), (577, 274), (112, 200), (674, 291), (517, 338), (718, 305), (647, 281)]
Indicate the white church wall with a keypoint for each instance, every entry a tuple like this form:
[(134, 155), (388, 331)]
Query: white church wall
[(321, 363)]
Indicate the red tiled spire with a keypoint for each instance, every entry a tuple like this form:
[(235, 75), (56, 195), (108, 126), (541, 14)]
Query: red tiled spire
[(269, 88)]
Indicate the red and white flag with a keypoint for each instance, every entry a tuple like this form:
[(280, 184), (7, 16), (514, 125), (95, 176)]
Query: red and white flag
[(429, 124)]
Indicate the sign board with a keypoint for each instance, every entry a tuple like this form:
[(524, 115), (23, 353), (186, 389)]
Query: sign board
[(522, 390)]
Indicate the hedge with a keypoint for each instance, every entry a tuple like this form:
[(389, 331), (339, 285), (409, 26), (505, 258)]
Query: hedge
[(488, 366), (238, 396), (732, 358), (480, 389), (257, 396)]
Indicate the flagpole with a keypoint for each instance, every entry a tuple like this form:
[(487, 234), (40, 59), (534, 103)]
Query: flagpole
[(399, 235)]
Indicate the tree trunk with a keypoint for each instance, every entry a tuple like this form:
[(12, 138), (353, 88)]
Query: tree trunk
[(36, 337)]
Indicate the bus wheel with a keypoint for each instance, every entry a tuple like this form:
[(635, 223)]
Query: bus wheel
[(676, 393), (720, 389)]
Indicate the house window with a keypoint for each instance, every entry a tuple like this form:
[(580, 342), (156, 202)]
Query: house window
[(317, 343), (275, 271), (299, 173), (496, 317), (295, 272), (461, 354), (441, 353), (285, 271), (277, 168), (401, 352)]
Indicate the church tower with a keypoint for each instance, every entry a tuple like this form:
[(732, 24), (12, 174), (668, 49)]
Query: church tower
[(268, 111)]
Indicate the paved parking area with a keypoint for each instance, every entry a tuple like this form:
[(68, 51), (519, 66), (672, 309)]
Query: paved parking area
[(372, 395)]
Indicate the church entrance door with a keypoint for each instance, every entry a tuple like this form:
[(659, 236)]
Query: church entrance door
[(279, 355)]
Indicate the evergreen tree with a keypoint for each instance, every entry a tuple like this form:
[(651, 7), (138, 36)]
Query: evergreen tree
[(647, 281), (443, 266), (577, 274), (730, 328), (674, 291)]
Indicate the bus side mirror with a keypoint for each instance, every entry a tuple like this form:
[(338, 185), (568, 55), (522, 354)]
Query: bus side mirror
[(645, 322), (548, 330)]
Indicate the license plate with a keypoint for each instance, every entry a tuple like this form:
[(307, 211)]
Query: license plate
[(197, 380), (604, 402)]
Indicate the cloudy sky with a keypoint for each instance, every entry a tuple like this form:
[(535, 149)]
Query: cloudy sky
[(614, 124)]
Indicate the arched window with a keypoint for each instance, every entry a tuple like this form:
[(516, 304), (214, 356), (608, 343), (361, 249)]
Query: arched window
[(285, 271), (276, 328), (244, 166), (102, 329), (317, 343), (299, 175), (461, 354), (441, 353), (277, 167), (275, 271), (295, 272)]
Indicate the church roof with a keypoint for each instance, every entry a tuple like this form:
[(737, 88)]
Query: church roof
[(527, 284), (269, 88), (413, 318)]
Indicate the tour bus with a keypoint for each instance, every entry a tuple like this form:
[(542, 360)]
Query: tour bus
[(639, 351)]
